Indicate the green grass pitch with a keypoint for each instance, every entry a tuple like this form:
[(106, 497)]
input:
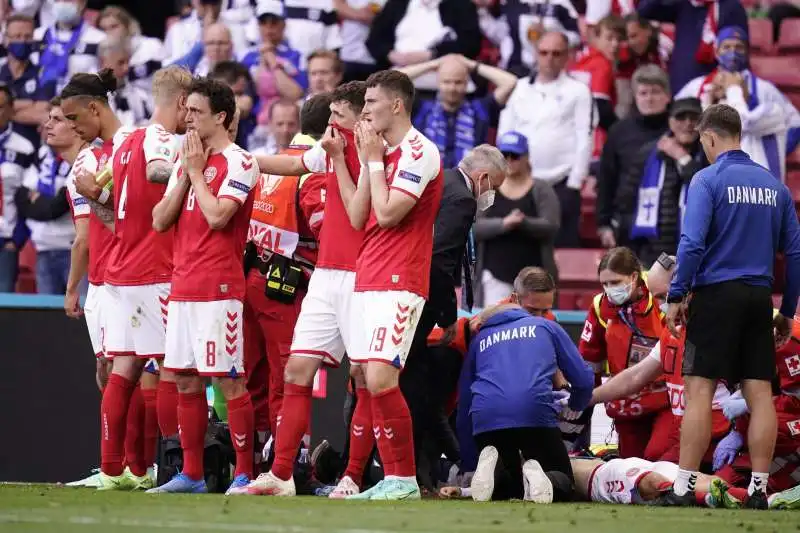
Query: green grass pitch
[(51, 509)]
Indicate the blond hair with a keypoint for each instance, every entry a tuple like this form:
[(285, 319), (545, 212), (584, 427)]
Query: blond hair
[(124, 17), (171, 82)]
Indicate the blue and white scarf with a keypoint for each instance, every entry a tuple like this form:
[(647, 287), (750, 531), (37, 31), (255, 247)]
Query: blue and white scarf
[(770, 142), (433, 123), (648, 203), (54, 62), (52, 167)]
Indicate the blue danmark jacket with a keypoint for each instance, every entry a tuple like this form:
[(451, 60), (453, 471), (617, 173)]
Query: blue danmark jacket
[(507, 378)]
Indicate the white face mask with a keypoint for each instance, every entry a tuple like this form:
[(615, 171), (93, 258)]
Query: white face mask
[(66, 12), (619, 294), (485, 199)]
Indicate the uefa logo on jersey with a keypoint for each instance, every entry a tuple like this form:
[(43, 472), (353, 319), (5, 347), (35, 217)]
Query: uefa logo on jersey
[(210, 173), (269, 182)]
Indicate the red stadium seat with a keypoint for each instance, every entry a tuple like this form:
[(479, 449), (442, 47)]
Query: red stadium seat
[(790, 36), (577, 267), (760, 35), (793, 163), (794, 98), (782, 71)]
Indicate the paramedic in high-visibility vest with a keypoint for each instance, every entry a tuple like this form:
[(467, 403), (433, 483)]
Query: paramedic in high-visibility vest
[(280, 256)]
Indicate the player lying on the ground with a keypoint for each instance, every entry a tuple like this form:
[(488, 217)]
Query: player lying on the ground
[(634, 481)]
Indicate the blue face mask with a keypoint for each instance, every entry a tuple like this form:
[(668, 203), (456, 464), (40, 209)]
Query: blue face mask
[(733, 61), (21, 50)]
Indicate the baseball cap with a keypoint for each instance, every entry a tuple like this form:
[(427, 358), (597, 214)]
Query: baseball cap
[(269, 8), (732, 32), (513, 142), (685, 105)]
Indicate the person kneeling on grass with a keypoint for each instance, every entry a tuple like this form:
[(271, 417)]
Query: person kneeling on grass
[(507, 405)]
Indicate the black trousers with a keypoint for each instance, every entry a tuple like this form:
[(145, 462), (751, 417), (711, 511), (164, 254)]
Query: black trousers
[(570, 200), (517, 444), (778, 13)]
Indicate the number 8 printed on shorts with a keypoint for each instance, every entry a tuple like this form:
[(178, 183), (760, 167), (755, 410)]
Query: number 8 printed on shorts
[(211, 353)]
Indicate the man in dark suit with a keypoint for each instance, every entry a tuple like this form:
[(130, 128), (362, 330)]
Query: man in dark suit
[(466, 188)]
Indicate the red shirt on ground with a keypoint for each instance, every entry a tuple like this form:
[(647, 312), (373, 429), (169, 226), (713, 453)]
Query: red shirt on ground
[(208, 263), (399, 258)]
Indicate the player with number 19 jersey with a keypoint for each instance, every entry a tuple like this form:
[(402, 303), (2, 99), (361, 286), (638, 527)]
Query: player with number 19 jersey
[(208, 284), (140, 269)]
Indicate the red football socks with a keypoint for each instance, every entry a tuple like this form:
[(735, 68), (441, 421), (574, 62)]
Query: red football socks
[(134, 434), (394, 433), (361, 437), (113, 413), (150, 437), (241, 420), (193, 421), (167, 407), (292, 425)]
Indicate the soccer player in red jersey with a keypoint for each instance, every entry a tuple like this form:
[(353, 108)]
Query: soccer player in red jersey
[(393, 267), (209, 202), (138, 274), (322, 333)]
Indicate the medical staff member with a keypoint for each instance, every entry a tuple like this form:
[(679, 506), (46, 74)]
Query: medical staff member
[(507, 405)]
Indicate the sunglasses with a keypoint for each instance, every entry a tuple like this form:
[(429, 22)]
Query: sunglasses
[(688, 115), (553, 53)]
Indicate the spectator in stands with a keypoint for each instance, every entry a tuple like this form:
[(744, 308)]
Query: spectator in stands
[(696, 23), (132, 104), (282, 125), (519, 24), (453, 122), (18, 156), (766, 114), (68, 47), (43, 202), (654, 187), (217, 47), (408, 32), (21, 75), (275, 67), (519, 227), (556, 114), (43, 9), (237, 77), (356, 17), (779, 12), (239, 17), (312, 25), (187, 33), (147, 53), (597, 10), (645, 45), (595, 67), (649, 121), (325, 71)]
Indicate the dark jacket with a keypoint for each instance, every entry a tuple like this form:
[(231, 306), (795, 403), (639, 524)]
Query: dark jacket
[(451, 230), (675, 176), (689, 20), (618, 155), (542, 231), (459, 15)]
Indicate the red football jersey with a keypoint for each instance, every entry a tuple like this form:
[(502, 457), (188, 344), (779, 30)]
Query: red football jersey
[(596, 71), (142, 256), (339, 242), (399, 258), (208, 263), (787, 360)]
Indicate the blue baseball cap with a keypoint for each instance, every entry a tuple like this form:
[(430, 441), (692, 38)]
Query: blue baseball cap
[(732, 32), (513, 142)]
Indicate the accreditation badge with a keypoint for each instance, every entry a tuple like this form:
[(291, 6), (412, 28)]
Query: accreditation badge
[(640, 348)]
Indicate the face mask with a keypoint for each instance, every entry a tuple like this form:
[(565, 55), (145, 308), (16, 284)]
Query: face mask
[(733, 61), (20, 49), (65, 12), (619, 294), (485, 199)]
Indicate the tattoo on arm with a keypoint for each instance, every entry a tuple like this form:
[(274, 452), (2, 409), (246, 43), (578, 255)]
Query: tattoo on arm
[(106, 214), (159, 172)]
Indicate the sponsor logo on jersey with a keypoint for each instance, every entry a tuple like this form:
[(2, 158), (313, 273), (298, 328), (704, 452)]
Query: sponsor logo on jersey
[(210, 173), (794, 426), (240, 186), (79, 201), (404, 174)]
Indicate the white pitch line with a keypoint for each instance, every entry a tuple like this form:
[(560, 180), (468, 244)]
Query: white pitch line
[(176, 524)]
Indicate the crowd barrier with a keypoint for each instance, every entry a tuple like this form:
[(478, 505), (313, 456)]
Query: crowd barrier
[(50, 428)]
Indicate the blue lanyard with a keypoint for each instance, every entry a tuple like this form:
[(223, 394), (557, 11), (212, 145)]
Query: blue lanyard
[(626, 316)]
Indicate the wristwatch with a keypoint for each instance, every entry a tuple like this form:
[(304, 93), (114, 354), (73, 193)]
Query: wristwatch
[(666, 260), (675, 299)]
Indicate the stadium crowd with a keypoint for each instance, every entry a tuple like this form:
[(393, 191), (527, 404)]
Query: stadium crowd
[(253, 198)]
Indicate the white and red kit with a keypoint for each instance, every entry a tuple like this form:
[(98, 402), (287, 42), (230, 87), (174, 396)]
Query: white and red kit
[(597, 72), (617, 480), (139, 271), (623, 336), (325, 324), (393, 267), (285, 223), (204, 330), (669, 352), (92, 160)]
